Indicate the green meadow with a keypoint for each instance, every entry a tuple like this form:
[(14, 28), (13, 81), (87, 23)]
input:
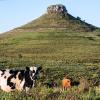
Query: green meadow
[(76, 55)]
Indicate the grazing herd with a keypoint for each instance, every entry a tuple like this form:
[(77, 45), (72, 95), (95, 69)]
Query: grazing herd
[(23, 80), (11, 80)]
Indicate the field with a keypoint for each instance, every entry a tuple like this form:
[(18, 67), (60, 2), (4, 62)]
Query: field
[(76, 55)]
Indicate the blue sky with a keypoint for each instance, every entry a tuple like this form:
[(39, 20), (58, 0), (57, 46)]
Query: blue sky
[(14, 13)]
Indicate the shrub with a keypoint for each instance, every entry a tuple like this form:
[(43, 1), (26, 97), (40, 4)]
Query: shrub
[(83, 86)]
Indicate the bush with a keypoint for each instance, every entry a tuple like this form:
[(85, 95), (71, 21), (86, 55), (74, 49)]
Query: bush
[(83, 86)]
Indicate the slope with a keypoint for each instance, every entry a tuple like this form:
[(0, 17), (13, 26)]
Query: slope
[(56, 19)]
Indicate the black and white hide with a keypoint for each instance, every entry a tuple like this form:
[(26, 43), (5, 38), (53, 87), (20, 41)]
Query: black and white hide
[(11, 80)]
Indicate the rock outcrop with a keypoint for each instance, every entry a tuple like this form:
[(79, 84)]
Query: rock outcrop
[(57, 9), (56, 19)]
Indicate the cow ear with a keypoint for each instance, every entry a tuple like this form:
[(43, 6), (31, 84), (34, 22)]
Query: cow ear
[(27, 68)]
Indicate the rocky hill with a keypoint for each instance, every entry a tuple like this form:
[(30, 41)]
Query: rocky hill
[(59, 42), (56, 19)]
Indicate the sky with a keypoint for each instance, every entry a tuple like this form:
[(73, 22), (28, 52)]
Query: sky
[(14, 13)]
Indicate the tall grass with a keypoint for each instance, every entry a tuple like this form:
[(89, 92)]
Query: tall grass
[(43, 93)]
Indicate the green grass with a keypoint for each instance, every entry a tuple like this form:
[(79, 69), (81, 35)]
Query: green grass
[(65, 47), (43, 93), (74, 54), (56, 23)]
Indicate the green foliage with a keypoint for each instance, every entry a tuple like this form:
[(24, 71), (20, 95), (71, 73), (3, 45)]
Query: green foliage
[(55, 22), (84, 85), (60, 54), (43, 93)]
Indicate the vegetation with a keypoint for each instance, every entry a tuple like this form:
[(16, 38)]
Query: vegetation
[(62, 45), (43, 93), (54, 22), (74, 54)]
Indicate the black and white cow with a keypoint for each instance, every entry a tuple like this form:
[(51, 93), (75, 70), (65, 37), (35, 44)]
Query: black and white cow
[(11, 80)]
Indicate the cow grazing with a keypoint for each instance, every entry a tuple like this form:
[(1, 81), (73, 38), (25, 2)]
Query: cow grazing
[(11, 80), (66, 83)]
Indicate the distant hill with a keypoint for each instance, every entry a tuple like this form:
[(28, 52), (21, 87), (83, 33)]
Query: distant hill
[(59, 42), (56, 19)]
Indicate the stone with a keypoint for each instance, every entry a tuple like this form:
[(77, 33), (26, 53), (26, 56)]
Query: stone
[(58, 9)]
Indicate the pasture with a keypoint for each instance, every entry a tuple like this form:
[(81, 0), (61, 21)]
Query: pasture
[(74, 54)]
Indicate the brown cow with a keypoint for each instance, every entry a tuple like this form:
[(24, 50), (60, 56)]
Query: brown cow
[(66, 83)]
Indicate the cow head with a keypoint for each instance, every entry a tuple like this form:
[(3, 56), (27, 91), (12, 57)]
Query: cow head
[(33, 71)]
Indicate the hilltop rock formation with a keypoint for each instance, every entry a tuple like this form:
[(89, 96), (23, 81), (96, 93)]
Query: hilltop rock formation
[(57, 19), (57, 9)]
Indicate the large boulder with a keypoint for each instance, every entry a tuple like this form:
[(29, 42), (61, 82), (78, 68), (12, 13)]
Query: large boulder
[(58, 9)]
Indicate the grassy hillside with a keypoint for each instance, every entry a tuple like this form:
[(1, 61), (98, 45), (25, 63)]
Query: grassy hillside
[(62, 45), (56, 23), (52, 50), (74, 54), (65, 47)]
